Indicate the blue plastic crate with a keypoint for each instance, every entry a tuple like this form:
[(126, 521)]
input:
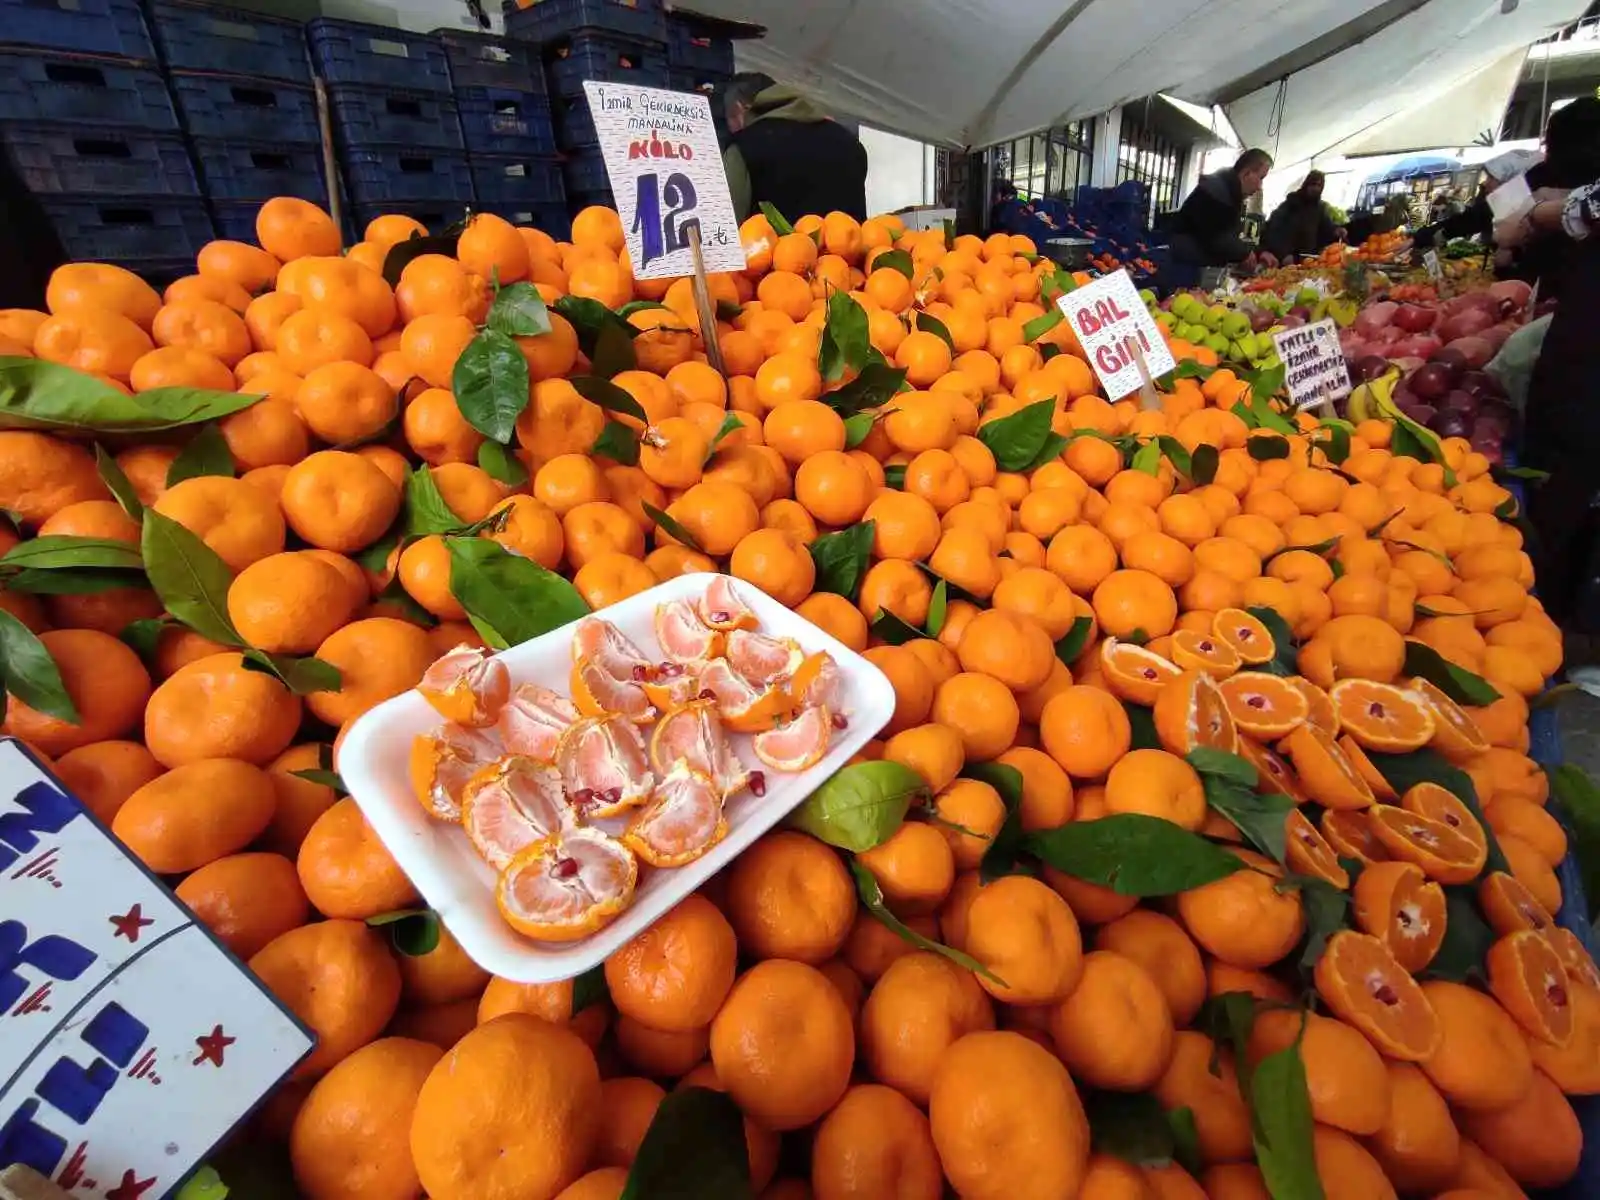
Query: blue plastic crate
[(393, 117), (383, 174), (586, 172), (552, 20), (552, 218), (235, 170), (574, 123), (244, 106), (690, 79), (41, 86), (81, 160), (377, 56), (607, 58), (525, 179), (81, 26), (128, 228), (691, 46), (481, 60), (498, 121), (232, 41), (577, 200)]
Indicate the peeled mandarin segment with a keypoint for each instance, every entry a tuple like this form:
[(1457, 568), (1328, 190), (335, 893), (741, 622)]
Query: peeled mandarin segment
[(511, 805), (467, 686), (683, 820), (743, 706), (683, 637), (598, 693), (1365, 768), (567, 886), (604, 767), (669, 685), (1432, 800), (1397, 904), (1363, 984), (799, 744), (1456, 736), (441, 765), (723, 608), (1509, 906), (1262, 705), (1380, 716), (1308, 853), (1443, 853), (1527, 977), (1350, 833), (693, 735), (533, 720), (1135, 673), (1247, 634), (1323, 770), (817, 681), (1195, 651), (762, 659), (599, 639)]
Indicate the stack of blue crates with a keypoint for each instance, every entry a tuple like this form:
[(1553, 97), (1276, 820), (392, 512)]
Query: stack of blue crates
[(699, 53), (395, 120), (86, 118), (615, 41), (505, 123), (243, 89)]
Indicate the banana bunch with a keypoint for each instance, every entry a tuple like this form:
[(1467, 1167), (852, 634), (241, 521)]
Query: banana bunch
[(1374, 400)]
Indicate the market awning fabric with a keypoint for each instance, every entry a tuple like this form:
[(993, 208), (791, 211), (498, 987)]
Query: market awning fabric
[(1459, 116)]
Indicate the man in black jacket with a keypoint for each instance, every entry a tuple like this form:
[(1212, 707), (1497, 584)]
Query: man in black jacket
[(1205, 231), (786, 151), (1301, 224)]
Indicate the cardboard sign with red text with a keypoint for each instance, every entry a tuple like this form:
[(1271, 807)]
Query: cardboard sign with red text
[(1110, 320), (131, 1042)]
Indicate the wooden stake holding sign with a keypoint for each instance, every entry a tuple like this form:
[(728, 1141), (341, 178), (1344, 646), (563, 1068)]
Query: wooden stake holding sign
[(330, 171), (1119, 337), (665, 166)]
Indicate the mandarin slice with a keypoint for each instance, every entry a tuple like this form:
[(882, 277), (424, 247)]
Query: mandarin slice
[(1273, 775), (1191, 713), (683, 637), (599, 693), (1396, 903), (723, 608), (1443, 853), (1322, 713), (511, 805), (1456, 736), (1509, 906), (798, 744), (466, 685), (1580, 965), (599, 639), (1323, 770), (604, 766), (1365, 986), (1264, 706), (693, 735), (1527, 977), (443, 762), (1135, 673), (567, 886), (1350, 833), (1307, 852), (534, 719), (1381, 716), (745, 707), (762, 659), (683, 820), (1247, 633), (1430, 799), (1196, 651), (1366, 768)]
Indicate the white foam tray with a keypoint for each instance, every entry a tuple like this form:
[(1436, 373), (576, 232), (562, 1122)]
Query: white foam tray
[(459, 885)]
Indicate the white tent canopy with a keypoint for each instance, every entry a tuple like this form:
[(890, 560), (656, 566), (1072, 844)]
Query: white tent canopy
[(1460, 116), (1373, 92)]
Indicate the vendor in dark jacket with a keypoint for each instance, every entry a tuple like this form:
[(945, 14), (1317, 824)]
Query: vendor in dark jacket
[(786, 151), (1205, 231), (1301, 224)]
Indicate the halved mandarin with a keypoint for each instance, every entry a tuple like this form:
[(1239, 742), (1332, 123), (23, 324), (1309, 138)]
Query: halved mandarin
[(683, 637), (599, 693), (1381, 716), (1350, 833), (510, 805), (1190, 713), (1264, 706), (817, 681), (1273, 775), (1443, 853), (723, 608), (534, 719), (743, 706), (683, 820), (1396, 903), (1509, 906), (1456, 736), (1527, 977), (466, 685), (1580, 965), (762, 659), (599, 639), (604, 767), (1324, 772), (693, 735), (443, 762), (1133, 672), (1321, 713), (668, 684), (1307, 852), (1366, 987), (1429, 799), (567, 886), (1246, 633), (1366, 768), (1196, 651), (797, 744)]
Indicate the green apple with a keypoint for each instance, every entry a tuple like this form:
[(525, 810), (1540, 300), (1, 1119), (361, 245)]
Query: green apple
[(1184, 306), (1214, 316), (1167, 321), (1194, 333), (1218, 343), (1236, 325), (1148, 297)]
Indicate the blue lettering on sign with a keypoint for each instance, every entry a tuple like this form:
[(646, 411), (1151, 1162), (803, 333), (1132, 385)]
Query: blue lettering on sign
[(46, 809), (23, 1140), (55, 956), (116, 1033), (76, 1090)]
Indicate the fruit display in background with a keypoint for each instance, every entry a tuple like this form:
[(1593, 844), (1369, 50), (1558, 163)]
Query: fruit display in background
[(1201, 709)]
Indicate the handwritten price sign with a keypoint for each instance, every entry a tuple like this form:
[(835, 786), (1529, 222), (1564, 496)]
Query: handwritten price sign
[(131, 1042), (661, 153), (1115, 328)]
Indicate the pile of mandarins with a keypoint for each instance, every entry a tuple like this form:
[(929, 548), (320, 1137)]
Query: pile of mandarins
[(1126, 629)]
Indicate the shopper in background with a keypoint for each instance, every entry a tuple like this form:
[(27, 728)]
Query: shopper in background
[(786, 151), (1476, 218), (1205, 231), (1301, 224)]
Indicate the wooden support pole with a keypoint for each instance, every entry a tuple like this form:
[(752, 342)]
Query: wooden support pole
[(703, 304), (330, 162)]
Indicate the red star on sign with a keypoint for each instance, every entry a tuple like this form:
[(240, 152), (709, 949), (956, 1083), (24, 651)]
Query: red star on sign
[(130, 923), (211, 1046), (131, 1188)]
